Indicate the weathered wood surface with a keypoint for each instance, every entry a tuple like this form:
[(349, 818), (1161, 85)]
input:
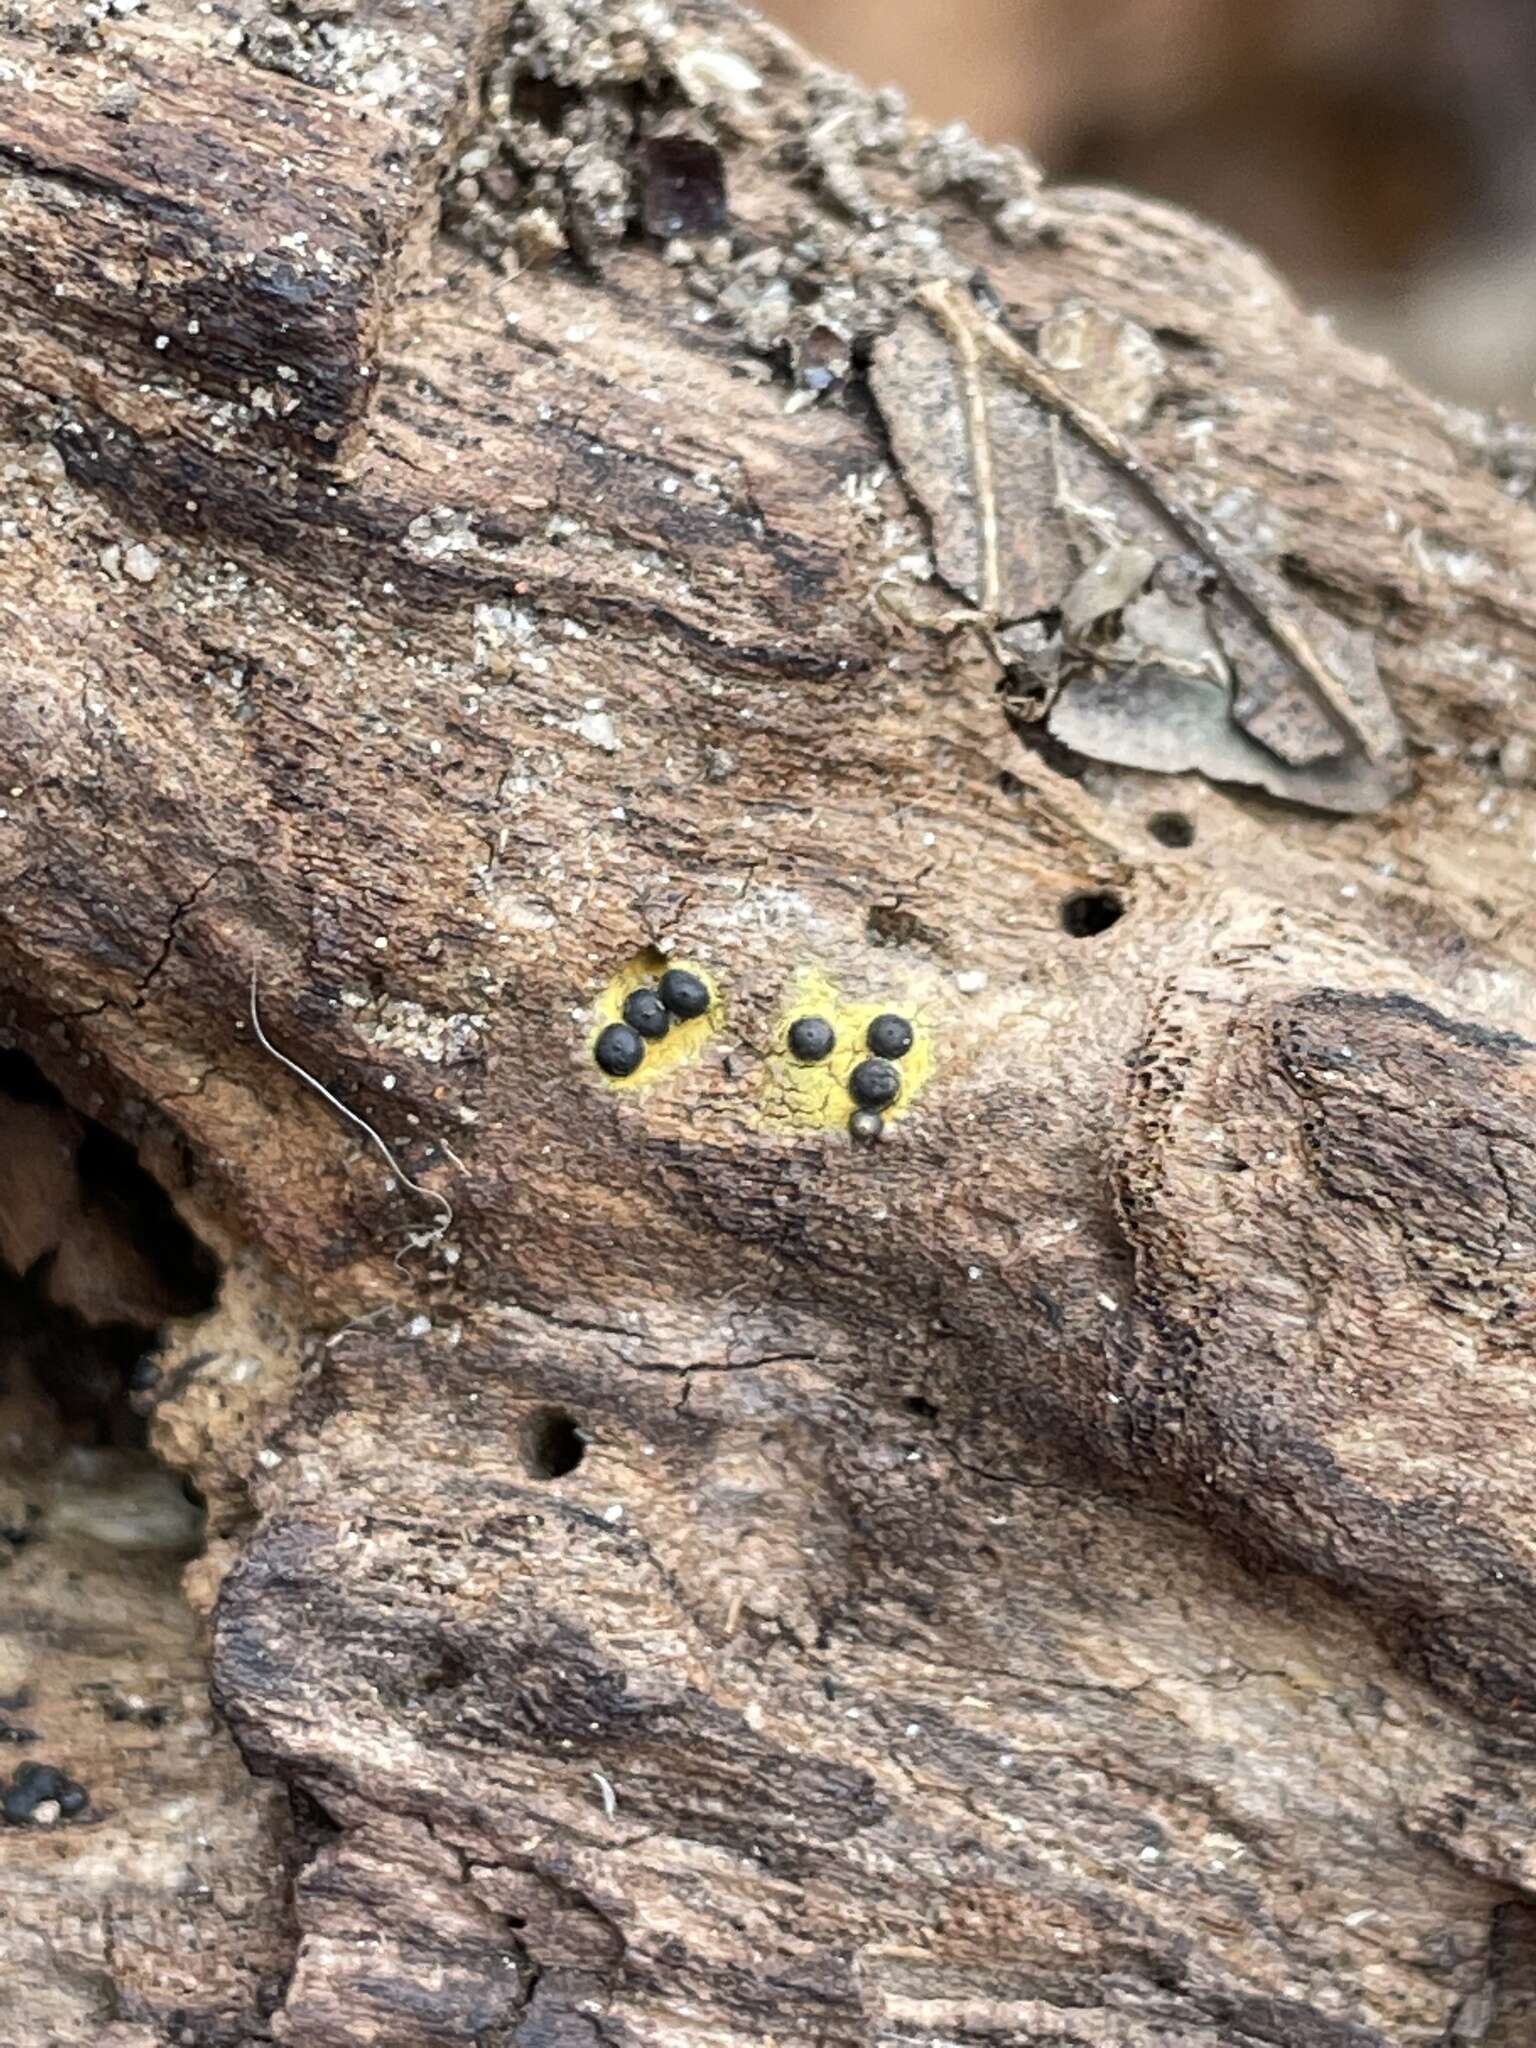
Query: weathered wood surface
[(1063, 1575)]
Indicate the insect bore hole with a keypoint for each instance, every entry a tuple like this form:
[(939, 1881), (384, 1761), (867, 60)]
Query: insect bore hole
[(1172, 828), (1088, 912), (553, 1445)]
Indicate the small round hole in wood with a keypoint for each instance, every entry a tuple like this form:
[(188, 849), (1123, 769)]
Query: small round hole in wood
[(1088, 912), (1172, 828), (552, 1444)]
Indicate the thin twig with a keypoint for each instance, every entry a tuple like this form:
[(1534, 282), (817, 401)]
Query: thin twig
[(952, 312), (424, 1194)]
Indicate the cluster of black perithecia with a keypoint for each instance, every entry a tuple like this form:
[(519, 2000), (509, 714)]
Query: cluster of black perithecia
[(648, 1015), (875, 1082), (40, 1795)]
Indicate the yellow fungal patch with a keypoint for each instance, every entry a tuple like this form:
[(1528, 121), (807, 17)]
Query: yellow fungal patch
[(800, 1094), (687, 1037)]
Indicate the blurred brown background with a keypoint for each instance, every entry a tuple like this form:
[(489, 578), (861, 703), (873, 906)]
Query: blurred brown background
[(1382, 152)]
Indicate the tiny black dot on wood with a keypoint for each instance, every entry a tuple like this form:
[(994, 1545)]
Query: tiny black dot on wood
[(619, 1050), (874, 1083), (684, 994), (645, 1012), (449, 1673), (811, 1038), (552, 1444), (866, 1126), (1088, 912), (1171, 828), (889, 1036), (886, 924)]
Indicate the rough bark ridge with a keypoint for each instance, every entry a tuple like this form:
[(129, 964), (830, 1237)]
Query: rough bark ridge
[(1063, 1574)]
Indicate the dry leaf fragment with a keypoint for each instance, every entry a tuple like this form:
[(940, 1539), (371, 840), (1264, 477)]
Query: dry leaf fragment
[(1041, 512), (1106, 586)]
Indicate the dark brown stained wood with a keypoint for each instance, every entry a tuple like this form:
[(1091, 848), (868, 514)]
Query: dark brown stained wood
[(1060, 1574), (214, 242)]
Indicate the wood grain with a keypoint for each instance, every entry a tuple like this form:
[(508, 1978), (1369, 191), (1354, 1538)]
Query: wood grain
[(1059, 1575)]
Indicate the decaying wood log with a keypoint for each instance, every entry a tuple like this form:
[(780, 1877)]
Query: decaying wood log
[(1063, 1572)]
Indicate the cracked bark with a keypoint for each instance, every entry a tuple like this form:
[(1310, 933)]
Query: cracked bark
[(1081, 1591)]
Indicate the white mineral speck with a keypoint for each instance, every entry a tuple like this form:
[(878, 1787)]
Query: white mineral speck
[(598, 728), (141, 563), (703, 73), (971, 981)]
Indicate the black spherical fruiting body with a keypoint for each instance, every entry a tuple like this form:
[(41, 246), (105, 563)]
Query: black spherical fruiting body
[(34, 1789), (874, 1084), (645, 1012), (684, 994), (889, 1037), (865, 1126), (42, 1781), (811, 1039), (619, 1050)]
